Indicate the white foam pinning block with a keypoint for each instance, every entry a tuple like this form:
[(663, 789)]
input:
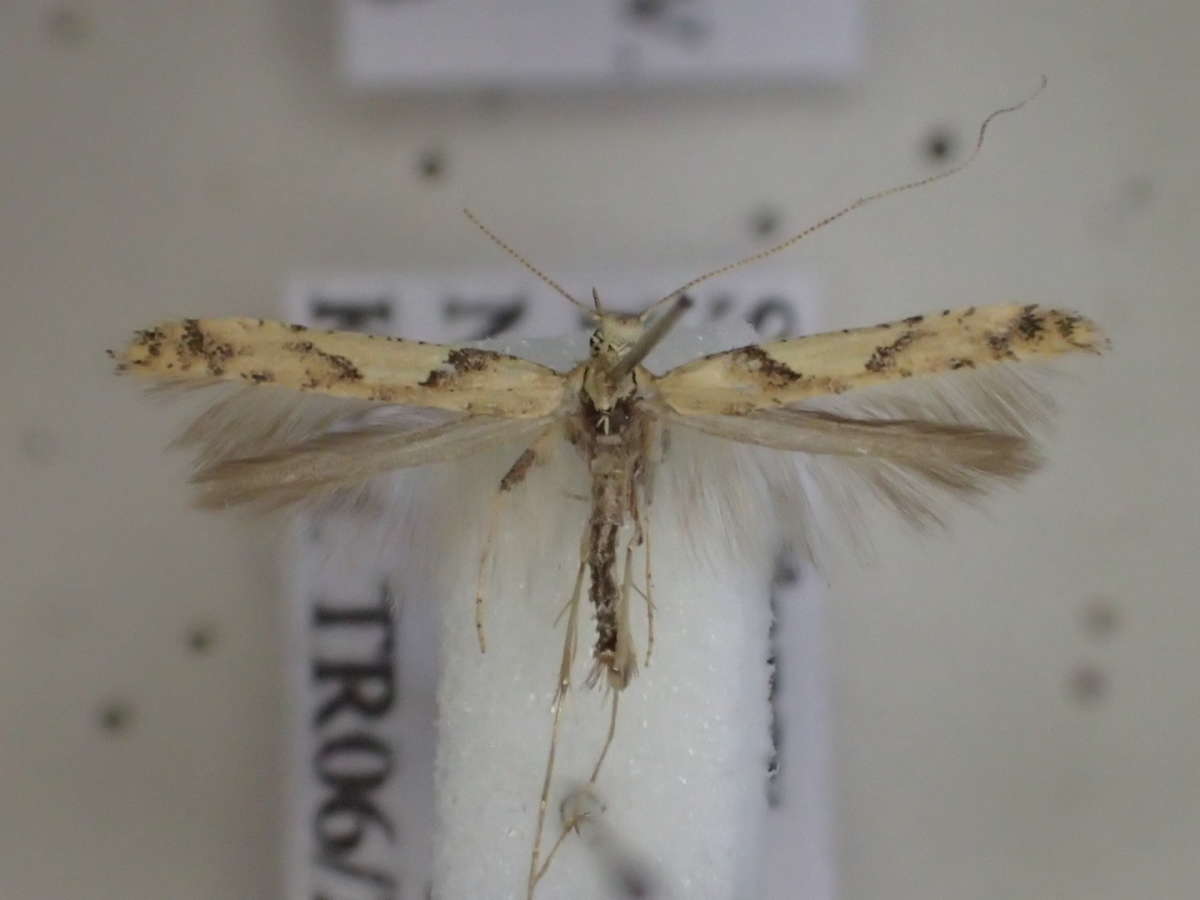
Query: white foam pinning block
[(684, 788), (557, 43)]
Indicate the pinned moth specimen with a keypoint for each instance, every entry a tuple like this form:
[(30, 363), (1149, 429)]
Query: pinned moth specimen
[(818, 395)]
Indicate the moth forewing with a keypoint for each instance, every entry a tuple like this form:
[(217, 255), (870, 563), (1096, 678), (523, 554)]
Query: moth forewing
[(344, 364), (788, 372)]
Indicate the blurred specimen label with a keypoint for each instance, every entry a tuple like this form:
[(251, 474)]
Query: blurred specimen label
[(564, 43)]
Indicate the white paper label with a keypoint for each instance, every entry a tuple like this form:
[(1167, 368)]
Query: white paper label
[(556, 43), (362, 657)]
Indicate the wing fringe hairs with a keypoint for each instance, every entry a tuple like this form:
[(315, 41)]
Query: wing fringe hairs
[(247, 437), (910, 445), (981, 428), (344, 460), (256, 421)]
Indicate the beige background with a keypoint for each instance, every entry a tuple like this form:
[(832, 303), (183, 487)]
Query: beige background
[(1017, 705)]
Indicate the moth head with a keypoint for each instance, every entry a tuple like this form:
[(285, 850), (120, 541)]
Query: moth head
[(615, 333), (622, 340)]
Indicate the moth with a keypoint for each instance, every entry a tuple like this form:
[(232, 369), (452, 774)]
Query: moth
[(796, 395)]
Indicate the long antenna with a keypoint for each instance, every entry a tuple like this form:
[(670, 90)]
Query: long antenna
[(523, 261), (861, 201)]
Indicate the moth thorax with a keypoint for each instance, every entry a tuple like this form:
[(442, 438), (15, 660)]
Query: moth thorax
[(606, 412)]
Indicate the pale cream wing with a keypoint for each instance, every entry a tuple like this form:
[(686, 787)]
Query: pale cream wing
[(788, 372), (343, 364)]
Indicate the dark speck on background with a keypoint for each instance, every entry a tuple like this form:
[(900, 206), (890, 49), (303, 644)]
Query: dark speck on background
[(201, 638), (1088, 684), (39, 445), (67, 25), (432, 164), (1099, 618), (940, 145), (765, 222), (115, 717)]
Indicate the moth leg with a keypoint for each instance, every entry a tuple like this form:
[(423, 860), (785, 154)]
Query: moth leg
[(612, 731), (535, 453), (560, 697), (571, 639), (641, 538), (572, 821), (644, 478), (649, 596), (625, 659), (562, 836)]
